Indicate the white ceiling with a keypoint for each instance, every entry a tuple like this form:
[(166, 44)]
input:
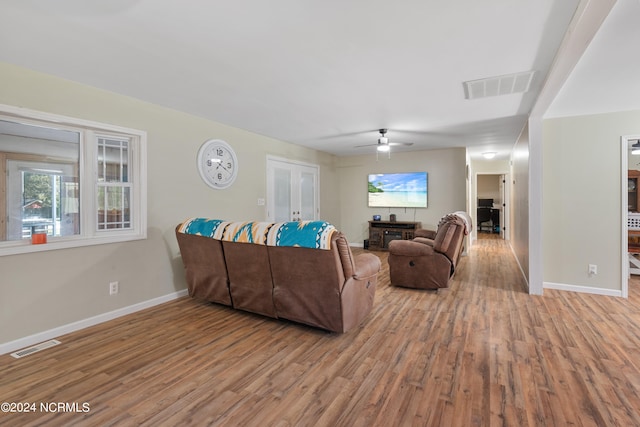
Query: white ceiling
[(323, 74), (607, 76)]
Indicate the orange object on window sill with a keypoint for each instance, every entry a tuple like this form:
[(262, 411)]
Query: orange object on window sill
[(38, 238)]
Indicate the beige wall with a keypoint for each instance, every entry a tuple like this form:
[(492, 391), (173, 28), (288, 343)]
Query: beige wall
[(519, 204), (446, 187), (45, 290), (490, 166), (489, 188), (581, 198)]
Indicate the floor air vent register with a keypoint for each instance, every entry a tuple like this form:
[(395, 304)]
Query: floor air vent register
[(34, 349)]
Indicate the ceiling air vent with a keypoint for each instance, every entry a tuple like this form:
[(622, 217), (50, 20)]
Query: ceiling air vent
[(500, 85)]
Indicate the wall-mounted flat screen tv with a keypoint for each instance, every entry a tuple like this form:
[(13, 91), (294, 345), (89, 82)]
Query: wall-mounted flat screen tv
[(398, 190)]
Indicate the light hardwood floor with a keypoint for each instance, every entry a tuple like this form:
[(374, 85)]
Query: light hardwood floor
[(480, 353)]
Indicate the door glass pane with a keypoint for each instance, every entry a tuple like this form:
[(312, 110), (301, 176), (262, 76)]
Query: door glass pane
[(307, 195), (69, 205), (40, 195), (40, 199), (282, 195)]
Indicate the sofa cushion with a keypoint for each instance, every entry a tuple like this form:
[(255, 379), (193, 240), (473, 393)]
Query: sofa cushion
[(306, 286), (416, 265), (249, 273), (205, 268)]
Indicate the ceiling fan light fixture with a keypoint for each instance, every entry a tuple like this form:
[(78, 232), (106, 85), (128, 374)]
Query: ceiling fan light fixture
[(383, 148), (489, 155)]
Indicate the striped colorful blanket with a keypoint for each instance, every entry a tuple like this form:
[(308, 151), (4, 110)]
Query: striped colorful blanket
[(306, 234)]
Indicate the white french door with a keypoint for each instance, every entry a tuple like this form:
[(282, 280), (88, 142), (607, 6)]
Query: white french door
[(292, 191), (27, 183)]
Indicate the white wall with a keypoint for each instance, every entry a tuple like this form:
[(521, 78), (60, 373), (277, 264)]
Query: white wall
[(446, 187), (45, 290), (581, 200)]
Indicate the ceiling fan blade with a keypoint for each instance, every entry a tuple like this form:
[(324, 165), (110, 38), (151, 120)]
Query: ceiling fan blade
[(383, 142), (347, 134), (408, 144)]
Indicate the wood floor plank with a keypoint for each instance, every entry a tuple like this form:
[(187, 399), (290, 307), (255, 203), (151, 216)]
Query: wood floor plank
[(481, 353)]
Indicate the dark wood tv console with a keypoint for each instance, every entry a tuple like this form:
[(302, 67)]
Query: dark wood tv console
[(382, 232)]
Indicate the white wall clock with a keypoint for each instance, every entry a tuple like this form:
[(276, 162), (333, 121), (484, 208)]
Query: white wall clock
[(217, 164)]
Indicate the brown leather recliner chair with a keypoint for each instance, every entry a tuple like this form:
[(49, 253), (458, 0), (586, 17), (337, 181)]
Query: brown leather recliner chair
[(429, 260)]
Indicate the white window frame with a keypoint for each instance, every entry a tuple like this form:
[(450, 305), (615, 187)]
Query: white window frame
[(89, 133)]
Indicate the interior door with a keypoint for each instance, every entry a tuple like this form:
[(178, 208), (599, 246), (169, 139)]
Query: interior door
[(292, 191)]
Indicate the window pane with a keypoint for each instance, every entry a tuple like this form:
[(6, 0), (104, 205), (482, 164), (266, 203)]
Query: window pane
[(113, 160), (113, 207), (40, 167), (81, 182)]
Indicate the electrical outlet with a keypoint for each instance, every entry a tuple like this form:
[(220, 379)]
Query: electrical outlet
[(113, 288), (593, 269)]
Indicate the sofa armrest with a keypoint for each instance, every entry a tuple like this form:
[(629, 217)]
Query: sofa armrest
[(410, 248), (429, 234), (366, 265), (424, 241)]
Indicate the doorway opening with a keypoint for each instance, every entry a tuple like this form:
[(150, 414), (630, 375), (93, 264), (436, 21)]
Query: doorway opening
[(630, 197), (492, 208)]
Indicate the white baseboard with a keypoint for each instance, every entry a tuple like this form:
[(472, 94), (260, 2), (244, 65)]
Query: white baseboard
[(11, 346), (582, 289)]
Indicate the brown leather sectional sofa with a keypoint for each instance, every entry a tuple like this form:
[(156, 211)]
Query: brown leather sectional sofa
[(325, 288)]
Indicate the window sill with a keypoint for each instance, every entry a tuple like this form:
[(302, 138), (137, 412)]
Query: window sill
[(55, 243)]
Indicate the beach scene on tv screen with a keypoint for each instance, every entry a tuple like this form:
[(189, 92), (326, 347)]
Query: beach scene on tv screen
[(407, 190)]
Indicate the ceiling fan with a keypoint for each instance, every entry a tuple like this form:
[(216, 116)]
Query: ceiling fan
[(384, 145)]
